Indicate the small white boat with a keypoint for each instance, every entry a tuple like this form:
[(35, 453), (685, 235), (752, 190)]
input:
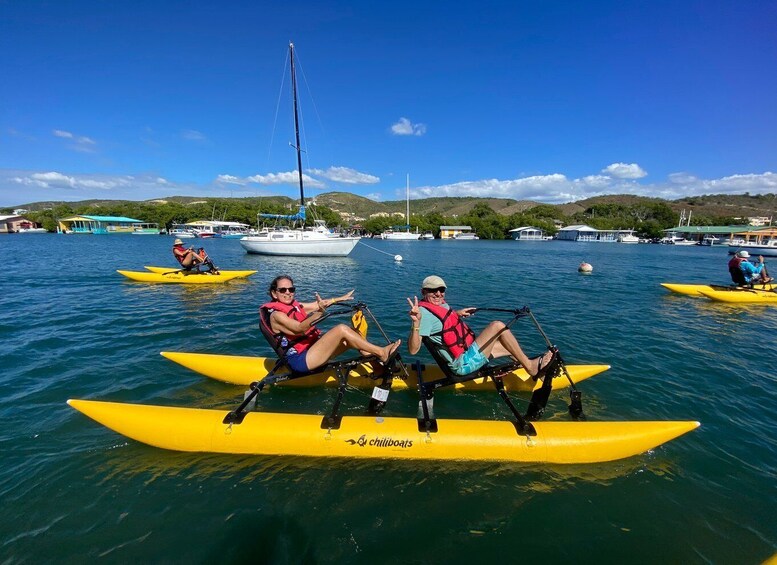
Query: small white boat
[(710, 240), (628, 238), (465, 235), (757, 242), (32, 230), (181, 231), (406, 235), (674, 239), (427, 235), (145, 229)]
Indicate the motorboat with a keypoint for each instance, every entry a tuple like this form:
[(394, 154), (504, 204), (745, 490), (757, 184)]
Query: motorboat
[(674, 239), (181, 231), (756, 242), (628, 238), (145, 229)]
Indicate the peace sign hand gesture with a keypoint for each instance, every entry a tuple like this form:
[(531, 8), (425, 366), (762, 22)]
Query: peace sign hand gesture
[(415, 313)]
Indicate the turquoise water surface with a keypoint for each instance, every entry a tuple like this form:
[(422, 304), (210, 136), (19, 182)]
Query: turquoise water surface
[(72, 490)]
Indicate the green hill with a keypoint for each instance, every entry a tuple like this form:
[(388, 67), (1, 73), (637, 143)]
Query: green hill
[(721, 205)]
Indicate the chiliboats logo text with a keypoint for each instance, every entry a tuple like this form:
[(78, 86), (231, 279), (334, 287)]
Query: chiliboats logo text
[(381, 442)]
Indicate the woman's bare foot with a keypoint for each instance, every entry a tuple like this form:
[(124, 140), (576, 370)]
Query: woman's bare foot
[(540, 362), (389, 349)]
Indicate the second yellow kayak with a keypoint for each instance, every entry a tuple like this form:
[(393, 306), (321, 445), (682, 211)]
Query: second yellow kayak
[(243, 370), (163, 270), (184, 278), (742, 296), (697, 289)]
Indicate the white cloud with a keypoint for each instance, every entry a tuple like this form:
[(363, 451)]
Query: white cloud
[(290, 178), (81, 143), (681, 178), (558, 189), (58, 180), (624, 171), (345, 175), (19, 187), (231, 179), (406, 127), (193, 135), (596, 181)]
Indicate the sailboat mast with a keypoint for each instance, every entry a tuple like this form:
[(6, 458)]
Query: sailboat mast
[(296, 124), (407, 200)]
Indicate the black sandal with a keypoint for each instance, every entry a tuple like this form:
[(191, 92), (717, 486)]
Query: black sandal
[(552, 364)]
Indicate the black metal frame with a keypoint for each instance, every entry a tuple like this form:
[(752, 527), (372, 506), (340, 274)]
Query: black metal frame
[(497, 372), (341, 368)]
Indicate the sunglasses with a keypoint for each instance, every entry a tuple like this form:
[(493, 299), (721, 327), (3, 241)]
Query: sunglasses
[(284, 290), (441, 290)]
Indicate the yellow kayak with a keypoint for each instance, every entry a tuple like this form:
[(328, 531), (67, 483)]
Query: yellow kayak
[(371, 437), (163, 270), (742, 296), (184, 278), (243, 370), (696, 289)]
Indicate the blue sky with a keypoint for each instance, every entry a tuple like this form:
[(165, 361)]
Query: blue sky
[(542, 100)]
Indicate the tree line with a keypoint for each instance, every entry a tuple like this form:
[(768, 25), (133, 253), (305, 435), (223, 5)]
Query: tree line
[(647, 219)]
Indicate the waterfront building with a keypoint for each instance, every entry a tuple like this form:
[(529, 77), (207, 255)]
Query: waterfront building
[(97, 224), (450, 232)]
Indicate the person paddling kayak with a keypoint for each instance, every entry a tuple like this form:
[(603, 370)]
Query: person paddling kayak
[(190, 259), (745, 273), (467, 352), (304, 346)]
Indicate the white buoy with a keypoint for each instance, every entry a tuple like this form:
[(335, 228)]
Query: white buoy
[(397, 258), (585, 267)]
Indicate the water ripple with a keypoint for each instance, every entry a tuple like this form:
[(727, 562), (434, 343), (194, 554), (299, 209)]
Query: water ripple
[(83, 331)]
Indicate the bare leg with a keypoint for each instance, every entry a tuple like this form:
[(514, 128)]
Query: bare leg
[(332, 343), (496, 344)]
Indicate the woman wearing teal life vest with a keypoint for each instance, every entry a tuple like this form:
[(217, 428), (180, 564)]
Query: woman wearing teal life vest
[(467, 352)]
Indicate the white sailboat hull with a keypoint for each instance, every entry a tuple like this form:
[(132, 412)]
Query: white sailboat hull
[(401, 236), (301, 245)]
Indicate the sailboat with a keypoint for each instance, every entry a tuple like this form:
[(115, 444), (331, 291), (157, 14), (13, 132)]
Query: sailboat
[(317, 241), (403, 235)]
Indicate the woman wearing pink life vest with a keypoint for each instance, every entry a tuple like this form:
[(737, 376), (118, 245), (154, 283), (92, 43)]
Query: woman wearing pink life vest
[(304, 346), (432, 317)]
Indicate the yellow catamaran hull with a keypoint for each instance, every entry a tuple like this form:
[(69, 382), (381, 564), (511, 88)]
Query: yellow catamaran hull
[(198, 430), (699, 289), (162, 270), (243, 370), (743, 296), (181, 278)]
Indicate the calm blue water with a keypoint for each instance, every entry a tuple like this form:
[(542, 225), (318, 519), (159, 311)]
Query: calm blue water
[(72, 490)]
